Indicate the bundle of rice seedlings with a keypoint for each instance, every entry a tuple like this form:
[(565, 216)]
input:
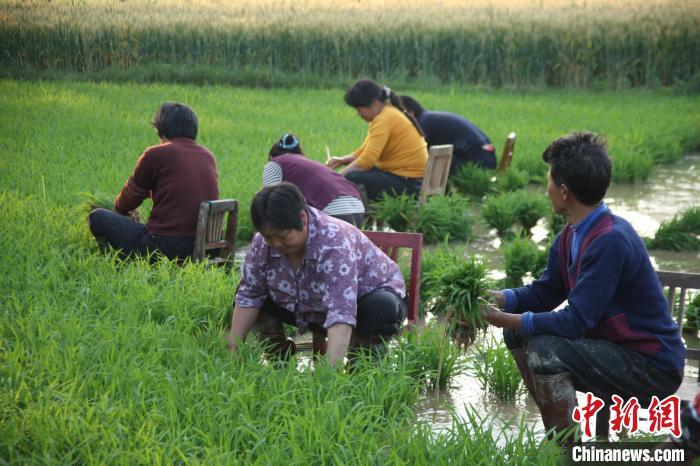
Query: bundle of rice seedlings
[(472, 180), (444, 217), (500, 213), (530, 208), (522, 256), (511, 180), (556, 222), (92, 201), (399, 212), (433, 265), (457, 297), (692, 314), (678, 234)]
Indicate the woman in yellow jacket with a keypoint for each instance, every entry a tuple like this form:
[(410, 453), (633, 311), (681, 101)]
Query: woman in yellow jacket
[(392, 159)]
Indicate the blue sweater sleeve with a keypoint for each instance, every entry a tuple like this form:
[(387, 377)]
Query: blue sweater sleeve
[(545, 293), (602, 267)]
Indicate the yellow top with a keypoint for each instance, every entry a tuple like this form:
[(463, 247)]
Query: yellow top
[(393, 145)]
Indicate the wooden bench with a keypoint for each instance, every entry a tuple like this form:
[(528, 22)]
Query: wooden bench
[(215, 238), (678, 284), (437, 169), (507, 155)]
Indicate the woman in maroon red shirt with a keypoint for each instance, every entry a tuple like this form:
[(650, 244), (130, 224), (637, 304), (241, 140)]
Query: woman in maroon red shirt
[(178, 174)]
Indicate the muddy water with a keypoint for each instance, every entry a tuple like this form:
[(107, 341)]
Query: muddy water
[(672, 189)]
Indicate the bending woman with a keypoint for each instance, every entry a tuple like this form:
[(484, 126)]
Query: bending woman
[(323, 188), (392, 159)]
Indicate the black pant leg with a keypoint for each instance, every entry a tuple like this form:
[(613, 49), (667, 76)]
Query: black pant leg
[(380, 312), (112, 229)]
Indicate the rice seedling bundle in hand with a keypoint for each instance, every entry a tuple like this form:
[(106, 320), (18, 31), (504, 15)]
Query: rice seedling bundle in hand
[(457, 298), (433, 265)]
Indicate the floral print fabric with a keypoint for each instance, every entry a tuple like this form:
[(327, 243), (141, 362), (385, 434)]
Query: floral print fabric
[(340, 266)]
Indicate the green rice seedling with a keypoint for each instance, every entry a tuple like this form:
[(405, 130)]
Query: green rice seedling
[(556, 222), (495, 368), (472, 180), (399, 212), (102, 201), (435, 262), (511, 179), (457, 298), (689, 221), (500, 213), (678, 234), (443, 217), (692, 314), (530, 208), (522, 256), (431, 357)]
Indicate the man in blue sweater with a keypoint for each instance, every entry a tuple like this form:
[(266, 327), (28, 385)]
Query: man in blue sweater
[(615, 334), (470, 144)]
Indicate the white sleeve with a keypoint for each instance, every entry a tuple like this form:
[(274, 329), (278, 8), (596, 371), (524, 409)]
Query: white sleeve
[(272, 173)]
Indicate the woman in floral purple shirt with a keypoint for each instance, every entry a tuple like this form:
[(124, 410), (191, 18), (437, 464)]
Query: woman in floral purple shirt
[(307, 269)]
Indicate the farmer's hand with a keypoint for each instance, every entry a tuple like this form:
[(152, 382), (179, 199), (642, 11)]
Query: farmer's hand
[(335, 162), (498, 318), (499, 297), (135, 216), (231, 342)]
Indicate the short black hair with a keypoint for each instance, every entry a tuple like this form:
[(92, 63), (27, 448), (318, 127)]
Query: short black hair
[(276, 208), (175, 120), (287, 144), (580, 160), (412, 105)]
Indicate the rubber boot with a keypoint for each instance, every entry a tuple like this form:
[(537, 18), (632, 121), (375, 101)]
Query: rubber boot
[(557, 400), (521, 361), (271, 332)]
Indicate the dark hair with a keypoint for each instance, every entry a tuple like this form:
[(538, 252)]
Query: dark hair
[(412, 105), (363, 92), (580, 161), (276, 208), (288, 144), (175, 120)]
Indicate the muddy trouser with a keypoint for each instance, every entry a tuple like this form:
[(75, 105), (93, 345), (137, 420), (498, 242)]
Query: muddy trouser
[(353, 219), (123, 233), (597, 366), (480, 157), (375, 182), (379, 312)]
